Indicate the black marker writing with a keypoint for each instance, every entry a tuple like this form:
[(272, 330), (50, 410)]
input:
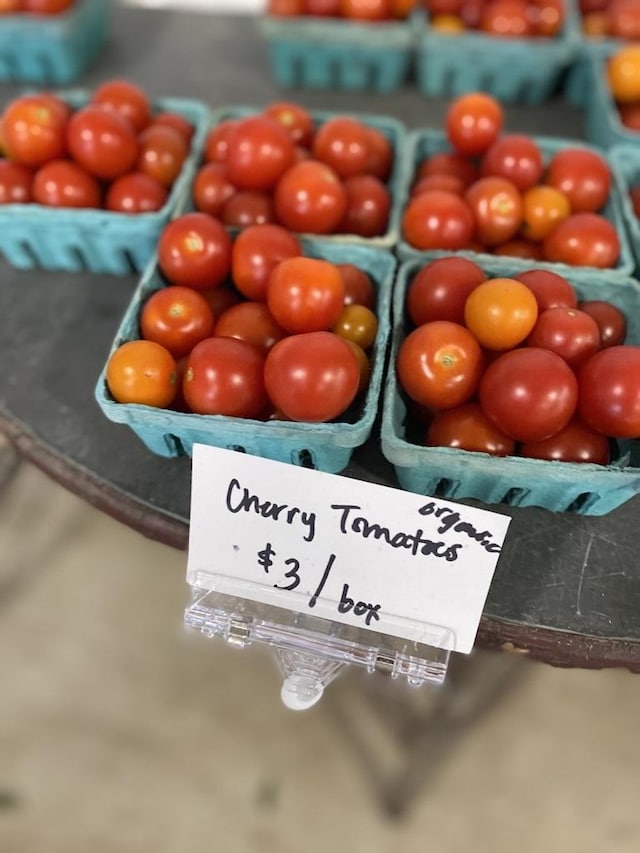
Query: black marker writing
[(451, 520), (240, 499)]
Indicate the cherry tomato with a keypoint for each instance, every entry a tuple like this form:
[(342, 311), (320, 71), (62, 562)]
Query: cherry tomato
[(634, 195), (447, 183), (15, 183), (251, 322), (446, 23), (546, 17), (311, 199), (294, 119), (595, 24), (33, 131), (447, 163), (142, 372), (62, 183), (519, 249), (225, 376), (212, 189), (216, 144), (46, 7), (473, 123), (506, 19), (574, 443), (364, 366), (127, 99), (221, 298), (496, 205), (357, 323), (380, 160), (305, 295), (438, 220), (550, 289), (366, 10), (343, 144), (624, 19), (368, 207), (501, 313), (177, 318), (358, 289), (162, 153), (259, 152), (468, 428), (9, 7), (610, 391), (256, 253), (583, 239), (611, 322), (439, 365), (440, 290), (194, 250), (312, 377), (582, 176), (623, 72), (248, 208), (102, 142), (529, 394), (515, 157), (543, 208), (570, 333), (322, 8), (286, 8), (630, 116), (444, 7), (135, 193), (177, 122)]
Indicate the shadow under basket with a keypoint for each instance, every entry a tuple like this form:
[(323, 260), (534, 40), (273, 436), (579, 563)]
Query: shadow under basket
[(582, 488), (323, 446)]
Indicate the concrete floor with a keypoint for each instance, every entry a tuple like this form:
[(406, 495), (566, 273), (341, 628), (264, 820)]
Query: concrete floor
[(121, 734)]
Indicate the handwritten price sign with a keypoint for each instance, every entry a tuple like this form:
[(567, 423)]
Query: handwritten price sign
[(345, 550)]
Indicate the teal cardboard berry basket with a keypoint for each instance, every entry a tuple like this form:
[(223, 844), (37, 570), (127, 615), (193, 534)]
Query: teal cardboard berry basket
[(319, 53), (513, 70), (99, 241), (326, 446), (583, 488), (603, 125), (55, 49), (626, 161), (397, 135), (425, 143)]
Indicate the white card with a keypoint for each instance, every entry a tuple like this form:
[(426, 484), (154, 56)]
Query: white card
[(341, 549)]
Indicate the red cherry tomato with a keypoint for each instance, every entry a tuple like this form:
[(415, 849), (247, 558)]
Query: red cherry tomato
[(194, 250), (312, 377), (358, 289), (439, 365), (438, 220), (515, 157), (46, 7), (33, 130), (248, 208), (368, 207), (570, 333), (343, 144), (582, 176), (294, 119), (447, 183), (611, 322), (177, 318), (440, 290), (525, 249), (305, 295), (322, 8), (506, 19), (610, 392), (127, 99), (102, 142), (62, 183), (473, 123), (286, 8), (366, 10), (135, 193), (496, 206), (15, 183), (311, 199), (380, 160), (546, 17), (251, 322), (216, 144), (550, 289), (624, 19), (575, 443), (225, 376), (256, 254), (259, 152), (162, 153), (177, 122), (467, 427), (583, 239), (529, 394), (212, 189), (446, 163)]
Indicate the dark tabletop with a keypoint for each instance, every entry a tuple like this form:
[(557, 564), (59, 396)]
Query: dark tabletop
[(567, 588)]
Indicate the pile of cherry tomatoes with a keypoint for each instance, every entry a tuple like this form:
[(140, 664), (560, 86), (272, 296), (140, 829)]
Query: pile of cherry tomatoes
[(623, 75), (501, 18), (494, 193), (356, 10), (113, 153), (611, 18), (277, 167), (516, 366), (35, 7), (248, 328)]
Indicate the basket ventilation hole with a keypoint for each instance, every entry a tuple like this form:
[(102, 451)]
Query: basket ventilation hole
[(445, 487), (80, 256), (176, 444), (128, 261), (304, 459), (583, 502), (237, 447), (27, 248), (514, 496)]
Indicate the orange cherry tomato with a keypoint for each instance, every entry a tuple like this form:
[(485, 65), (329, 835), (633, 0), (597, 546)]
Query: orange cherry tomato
[(543, 208), (142, 372), (501, 313)]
